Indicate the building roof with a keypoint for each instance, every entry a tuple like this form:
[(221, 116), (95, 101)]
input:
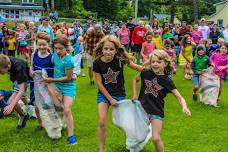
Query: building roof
[(218, 11), (162, 16), (24, 7), (222, 2)]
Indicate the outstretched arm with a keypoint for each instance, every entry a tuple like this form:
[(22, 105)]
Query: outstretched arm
[(181, 101), (134, 66)]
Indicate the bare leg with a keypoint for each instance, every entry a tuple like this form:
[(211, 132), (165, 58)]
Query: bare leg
[(220, 89), (90, 73), (68, 101), (102, 124), (56, 96), (156, 135)]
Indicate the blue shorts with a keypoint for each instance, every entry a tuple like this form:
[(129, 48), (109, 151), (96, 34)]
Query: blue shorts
[(152, 117), (102, 98), (196, 79)]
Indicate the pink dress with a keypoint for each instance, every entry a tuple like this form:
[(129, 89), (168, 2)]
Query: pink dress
[(148, 48), (220, 60)]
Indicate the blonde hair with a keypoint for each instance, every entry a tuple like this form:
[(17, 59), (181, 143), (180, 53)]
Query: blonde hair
[(22, 25), (4, 62), (121, 53), (161, 55)]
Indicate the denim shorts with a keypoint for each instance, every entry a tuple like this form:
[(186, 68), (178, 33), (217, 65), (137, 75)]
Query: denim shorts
[(152, 117), (102, 98), (196, 79)]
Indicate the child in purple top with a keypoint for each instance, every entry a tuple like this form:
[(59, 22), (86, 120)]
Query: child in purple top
[(219, 61), (196, 35)]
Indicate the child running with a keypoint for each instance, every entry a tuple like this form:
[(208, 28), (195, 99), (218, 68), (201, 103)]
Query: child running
[(155, 85), (199, 64), (41, 59), (63, 83), (219, 61), (108, 68), (168, 46), (147, 47)]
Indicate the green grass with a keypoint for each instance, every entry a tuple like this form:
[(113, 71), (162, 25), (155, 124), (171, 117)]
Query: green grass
[(205, 131)]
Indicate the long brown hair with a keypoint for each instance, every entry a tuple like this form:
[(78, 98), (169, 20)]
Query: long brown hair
[(43, 36), (63, 41), (121, 53)]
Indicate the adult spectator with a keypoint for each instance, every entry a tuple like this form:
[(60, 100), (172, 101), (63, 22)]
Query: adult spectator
[(215, 34), (124, 36), (204, 28), (138, 38), (183, 29), (45, 27), (93, 36), (130, 26), (225, 34)]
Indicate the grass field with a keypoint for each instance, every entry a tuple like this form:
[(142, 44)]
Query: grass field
[(205, 131)]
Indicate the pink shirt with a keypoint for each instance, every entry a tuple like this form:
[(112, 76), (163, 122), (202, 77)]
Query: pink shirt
[(148, 48), (170, 52), (220, 60), (197, 36), (124, 36)]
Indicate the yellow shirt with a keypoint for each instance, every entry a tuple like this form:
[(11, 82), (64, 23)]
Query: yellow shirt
[(158, 42), (12, 44)]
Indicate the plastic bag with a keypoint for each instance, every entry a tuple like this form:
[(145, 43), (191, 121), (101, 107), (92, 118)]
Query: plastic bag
[(209, 87), (131, 117), (49, 114)]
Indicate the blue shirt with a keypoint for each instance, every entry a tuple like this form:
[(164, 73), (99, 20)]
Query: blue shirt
[(67, 88), (43, 63), (77, 49)]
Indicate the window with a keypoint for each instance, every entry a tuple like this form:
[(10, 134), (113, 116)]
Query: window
[(220, 23)]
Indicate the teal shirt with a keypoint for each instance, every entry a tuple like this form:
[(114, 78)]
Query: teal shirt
[(200, 63), (67, 88)]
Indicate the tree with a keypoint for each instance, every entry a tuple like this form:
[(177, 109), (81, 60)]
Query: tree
[(107, 8)]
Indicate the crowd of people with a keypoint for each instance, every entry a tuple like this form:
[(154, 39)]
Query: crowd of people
[(58, 51)]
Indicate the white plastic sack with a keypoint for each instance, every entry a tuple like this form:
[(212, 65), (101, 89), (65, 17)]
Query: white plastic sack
[(209, 87), (77, 64), (131, 117), (49, 114)]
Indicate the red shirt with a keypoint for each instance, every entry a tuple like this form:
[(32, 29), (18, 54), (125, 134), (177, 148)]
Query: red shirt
[(138, 35)]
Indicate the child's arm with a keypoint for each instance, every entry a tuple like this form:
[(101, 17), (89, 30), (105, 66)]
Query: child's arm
[(135, 87), (182, 102), (103, 90), (14, 98), (31, 72), (134, 66), (142, 50), (68, 77)]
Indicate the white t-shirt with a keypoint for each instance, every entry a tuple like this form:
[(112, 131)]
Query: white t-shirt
[(205, 31), (225, 34)]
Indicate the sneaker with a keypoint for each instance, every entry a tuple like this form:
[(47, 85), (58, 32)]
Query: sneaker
[(22, 121), (194, 97), (72, 140)]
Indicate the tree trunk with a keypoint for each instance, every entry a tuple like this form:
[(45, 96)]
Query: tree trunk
[(196, 10), (172, 11)]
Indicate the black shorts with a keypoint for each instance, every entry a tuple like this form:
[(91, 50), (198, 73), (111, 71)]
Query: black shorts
[(137, 48)]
